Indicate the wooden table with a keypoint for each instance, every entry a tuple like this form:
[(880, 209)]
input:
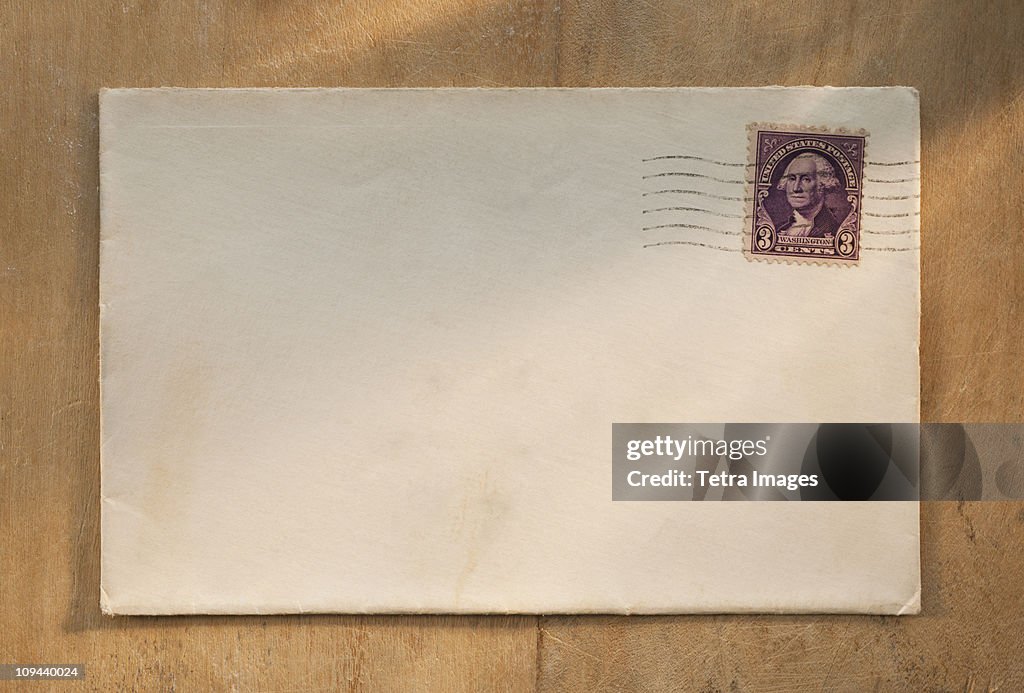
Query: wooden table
[(965, 57)]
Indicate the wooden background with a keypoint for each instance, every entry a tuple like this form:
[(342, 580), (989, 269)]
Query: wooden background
[(965, 57)]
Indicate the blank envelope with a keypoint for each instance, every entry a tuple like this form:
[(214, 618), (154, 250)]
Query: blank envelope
[(362, 350)]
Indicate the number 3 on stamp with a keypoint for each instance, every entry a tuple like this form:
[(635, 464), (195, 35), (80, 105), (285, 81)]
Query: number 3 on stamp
[(805, 192)]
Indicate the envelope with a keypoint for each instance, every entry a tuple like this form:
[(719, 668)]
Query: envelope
[(362, 350)]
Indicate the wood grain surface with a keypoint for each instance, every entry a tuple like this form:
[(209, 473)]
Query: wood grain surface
[(967, 60)]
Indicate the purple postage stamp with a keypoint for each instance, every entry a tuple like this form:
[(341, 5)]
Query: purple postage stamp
[(806, 193)]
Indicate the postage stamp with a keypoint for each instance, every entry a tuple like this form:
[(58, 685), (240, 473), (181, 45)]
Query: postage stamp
[(805, 187)]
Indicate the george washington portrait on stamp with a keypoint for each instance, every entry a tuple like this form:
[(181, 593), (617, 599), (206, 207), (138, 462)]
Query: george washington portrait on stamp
[(806, 196)]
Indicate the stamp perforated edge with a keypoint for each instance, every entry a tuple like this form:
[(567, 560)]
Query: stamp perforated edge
[(750, 175)]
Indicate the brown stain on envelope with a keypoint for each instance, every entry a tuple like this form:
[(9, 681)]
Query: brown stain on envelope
[(173, 440), (479, 515)]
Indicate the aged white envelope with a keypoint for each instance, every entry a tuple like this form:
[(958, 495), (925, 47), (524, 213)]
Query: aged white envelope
[(362, 350)]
